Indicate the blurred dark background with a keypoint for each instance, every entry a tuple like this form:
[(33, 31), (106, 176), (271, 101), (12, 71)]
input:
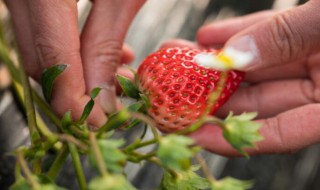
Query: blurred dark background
[(167, 19)]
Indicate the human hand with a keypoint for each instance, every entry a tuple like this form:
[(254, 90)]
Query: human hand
[(47, 34), (283, 78)]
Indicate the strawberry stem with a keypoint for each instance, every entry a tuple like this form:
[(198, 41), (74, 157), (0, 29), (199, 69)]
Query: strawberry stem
[(148, 121), (204, 167), (98, 155), (58, 162), (77, 165), (139, 145), (24, 167)]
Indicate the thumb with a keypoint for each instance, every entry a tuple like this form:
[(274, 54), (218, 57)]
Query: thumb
[(285, 37)]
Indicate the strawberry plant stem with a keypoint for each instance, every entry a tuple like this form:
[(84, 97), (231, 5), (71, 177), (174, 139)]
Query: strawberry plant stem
[(148, 121), (46, 110), (98, 156), (138, 157), (58, 162), (139, 145), (24, 167), (71, 139), (77, 165), (41, 126), (205, 168)]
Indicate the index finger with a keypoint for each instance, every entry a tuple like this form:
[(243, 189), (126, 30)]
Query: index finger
[(54, 26)]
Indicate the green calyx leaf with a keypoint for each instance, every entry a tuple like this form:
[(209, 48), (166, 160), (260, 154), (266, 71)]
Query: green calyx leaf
[(66, 120), (110, 182), (119, 118), (128, 87), (241, 132), (185, 180), (174, 151), (95, 92), (89, 106), (48, 77), (113, 157), (231, 183)]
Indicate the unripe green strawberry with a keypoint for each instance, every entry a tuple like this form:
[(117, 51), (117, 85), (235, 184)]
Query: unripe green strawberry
[(178, 88)]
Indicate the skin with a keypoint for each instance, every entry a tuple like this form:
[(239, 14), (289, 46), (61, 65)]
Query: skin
[(47, 34), (288, 43), (283, 82)]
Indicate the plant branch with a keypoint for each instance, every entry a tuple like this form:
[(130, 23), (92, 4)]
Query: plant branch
[(98, 156), (205, 168), (148, 121), (58, 162), (71, 139), (139, 145), (24, 167), (77, 165)]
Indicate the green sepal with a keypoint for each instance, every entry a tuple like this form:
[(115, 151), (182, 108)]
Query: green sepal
[(110, 182), (117, 119), (113, 157), (89, 106), (86, 111), (241, 132), (48, 77), (66, 120), (185, 180), (128, 87), (229, 183), (175, 152), (95, 92)]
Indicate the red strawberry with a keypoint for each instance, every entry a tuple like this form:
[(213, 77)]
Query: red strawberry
[(178, 88)]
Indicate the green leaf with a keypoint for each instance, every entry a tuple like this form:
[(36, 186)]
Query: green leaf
[(186, 180), (118, 119), (230, 183), (174, 151), (110, 182), (241, 132), (48, 77), (86, 111), (95, 92), (128, 87), (113, 157)]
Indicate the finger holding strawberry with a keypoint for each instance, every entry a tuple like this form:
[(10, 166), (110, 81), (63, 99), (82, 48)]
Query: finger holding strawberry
[(283, 77)]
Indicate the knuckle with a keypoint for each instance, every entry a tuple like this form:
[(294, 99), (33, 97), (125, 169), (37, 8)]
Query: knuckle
[(287, 40), (281, 143), (107, 54), (52, 53)]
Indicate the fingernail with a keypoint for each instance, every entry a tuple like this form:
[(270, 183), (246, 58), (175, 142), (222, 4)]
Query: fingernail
[(244, 53), (107, 98)]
